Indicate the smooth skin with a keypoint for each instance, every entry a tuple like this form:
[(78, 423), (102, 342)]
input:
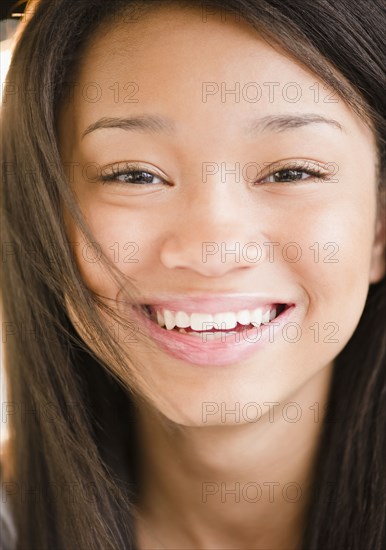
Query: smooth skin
[(191, 465)]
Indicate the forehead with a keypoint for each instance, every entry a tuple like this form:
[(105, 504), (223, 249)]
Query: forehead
[(207, 75)]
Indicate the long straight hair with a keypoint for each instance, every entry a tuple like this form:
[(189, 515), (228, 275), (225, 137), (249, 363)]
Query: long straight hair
[(70, 402)]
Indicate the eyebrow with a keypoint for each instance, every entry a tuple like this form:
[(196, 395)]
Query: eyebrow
[(146, 123), (161, 124), (280, 123)]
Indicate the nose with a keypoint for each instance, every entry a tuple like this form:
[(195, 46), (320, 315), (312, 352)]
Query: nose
[(214, 233)]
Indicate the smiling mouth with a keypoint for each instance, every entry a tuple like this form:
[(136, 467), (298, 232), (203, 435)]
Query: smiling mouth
[(201, 323)]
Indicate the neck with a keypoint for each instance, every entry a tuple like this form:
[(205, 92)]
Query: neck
[(244, 485)]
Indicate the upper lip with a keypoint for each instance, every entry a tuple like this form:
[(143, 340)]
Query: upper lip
[(214, 303)]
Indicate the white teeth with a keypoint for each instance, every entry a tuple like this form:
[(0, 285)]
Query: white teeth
[(266, 316), (182, 319), (160, 319), (256, 317), (244, 317), (221, 321), (197, 321), (229, 319), (169, 319)]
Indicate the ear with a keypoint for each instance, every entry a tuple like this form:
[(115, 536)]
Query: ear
[(378, 256)]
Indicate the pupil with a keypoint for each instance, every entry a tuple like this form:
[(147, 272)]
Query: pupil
[(138, 176), (288, 175)]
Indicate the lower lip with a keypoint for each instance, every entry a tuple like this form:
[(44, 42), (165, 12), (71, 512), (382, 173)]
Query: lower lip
[(227, 350)]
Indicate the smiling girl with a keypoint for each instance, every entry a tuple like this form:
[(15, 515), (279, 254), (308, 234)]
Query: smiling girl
[(194, 276)]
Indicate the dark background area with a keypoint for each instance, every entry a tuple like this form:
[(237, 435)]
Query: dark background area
[(9, 6)]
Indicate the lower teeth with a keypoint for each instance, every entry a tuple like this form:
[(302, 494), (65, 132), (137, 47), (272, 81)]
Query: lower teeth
[(199, 333), (210, 333), (216, 335)]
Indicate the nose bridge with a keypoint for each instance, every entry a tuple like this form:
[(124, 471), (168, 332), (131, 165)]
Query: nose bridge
[(216, 206), (215, 202), (215, 230)]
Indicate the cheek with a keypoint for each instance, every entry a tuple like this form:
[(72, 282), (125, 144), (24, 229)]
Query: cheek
[(335, 242), (129, 239)]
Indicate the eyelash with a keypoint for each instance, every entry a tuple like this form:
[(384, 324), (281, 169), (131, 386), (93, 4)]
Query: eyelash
[(129, 169), (316, 173)]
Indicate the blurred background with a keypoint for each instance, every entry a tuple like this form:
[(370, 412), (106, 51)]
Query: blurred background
[(8, 7), (12, 13)]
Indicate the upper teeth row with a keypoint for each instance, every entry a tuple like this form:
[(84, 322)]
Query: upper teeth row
[(206, 321)]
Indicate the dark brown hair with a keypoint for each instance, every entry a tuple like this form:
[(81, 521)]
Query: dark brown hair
[(72, 449)]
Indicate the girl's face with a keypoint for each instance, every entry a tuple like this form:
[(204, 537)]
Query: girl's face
[(223, 212)]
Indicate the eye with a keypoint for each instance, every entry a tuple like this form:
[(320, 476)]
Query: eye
[(131, 174), (294, 173)]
